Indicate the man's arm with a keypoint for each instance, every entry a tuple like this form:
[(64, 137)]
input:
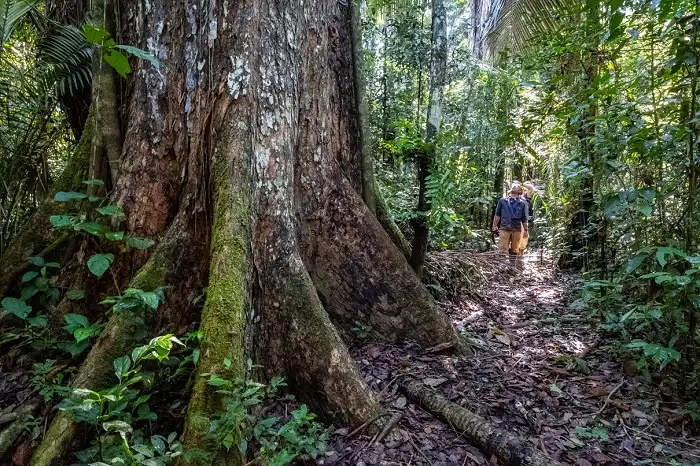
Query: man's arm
[(497, 216), (526, 233)]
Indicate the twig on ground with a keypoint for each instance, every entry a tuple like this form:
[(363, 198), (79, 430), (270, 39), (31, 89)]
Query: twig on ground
[(516, 363), (387, 428), (363, 426), (419, 450), (607, 400)]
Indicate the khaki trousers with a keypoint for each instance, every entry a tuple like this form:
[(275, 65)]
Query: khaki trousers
[(508, 241), (522, 245)]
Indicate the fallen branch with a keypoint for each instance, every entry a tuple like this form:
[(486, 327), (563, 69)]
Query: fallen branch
[(550, 321), (507, 448), (11, 433)]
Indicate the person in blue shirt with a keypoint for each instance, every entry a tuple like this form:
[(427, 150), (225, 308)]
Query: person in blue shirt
[(510, 218)]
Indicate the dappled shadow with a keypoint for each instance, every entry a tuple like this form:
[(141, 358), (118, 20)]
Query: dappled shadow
[(541, 371)]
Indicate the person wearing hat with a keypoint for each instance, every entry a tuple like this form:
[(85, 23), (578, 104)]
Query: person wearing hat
[(510, 219)]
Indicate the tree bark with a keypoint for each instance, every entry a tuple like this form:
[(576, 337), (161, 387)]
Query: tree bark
[(426, 158), (507, 448), (249, 134)]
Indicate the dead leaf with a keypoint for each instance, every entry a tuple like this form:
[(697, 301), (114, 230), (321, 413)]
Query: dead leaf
[(434, 382), (399, 403), (505, 339)]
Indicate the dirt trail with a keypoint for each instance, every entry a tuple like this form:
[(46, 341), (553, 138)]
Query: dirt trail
[(539, 372)]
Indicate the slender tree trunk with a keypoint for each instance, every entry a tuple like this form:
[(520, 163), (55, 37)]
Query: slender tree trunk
[(426, 158)]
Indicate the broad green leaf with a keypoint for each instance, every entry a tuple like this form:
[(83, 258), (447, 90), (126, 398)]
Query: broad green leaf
[(150, 300), (39, 321), (615, 23), (117, 426), (59, 221), (138, 353), (139, 243), (661, 254), (93, 228), (99, 263), (634, 263), (111, 210), (29, 292), (94, 35), (83, 333), (118, 61), (63, 196), (645, 209), (53, 265), (158, 444), (16, 307), (37, 260), (75, 295), (94, 182), (139, 53), (114, 235), (29, 276), (75, 321), (121, 366)]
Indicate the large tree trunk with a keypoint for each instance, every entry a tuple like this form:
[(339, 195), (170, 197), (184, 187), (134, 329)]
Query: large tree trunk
[(248, 134)]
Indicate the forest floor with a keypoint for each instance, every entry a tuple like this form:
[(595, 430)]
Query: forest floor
[(539, 371)]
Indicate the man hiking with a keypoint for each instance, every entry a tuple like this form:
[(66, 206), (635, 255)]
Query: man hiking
[(527, 196), (510, 218)]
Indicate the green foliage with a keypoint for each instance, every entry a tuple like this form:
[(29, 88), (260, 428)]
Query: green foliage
[(362, 330), (135, 299), (242, 424), (664, 327), (110, 50), (82, 331), (48, 381), (118, 413), (99, 263), (98, 227)]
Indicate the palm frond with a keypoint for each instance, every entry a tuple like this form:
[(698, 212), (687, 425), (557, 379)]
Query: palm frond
[(11, 13), (69, 56), (512, 23)]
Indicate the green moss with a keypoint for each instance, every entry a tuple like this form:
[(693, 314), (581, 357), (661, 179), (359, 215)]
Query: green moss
[(71, 179), (223, 318), (151, 275), (56, 441)]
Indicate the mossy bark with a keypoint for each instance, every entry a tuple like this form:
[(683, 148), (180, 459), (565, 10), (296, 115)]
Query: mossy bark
[(229, 291), (120, 334), (509, 449)]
